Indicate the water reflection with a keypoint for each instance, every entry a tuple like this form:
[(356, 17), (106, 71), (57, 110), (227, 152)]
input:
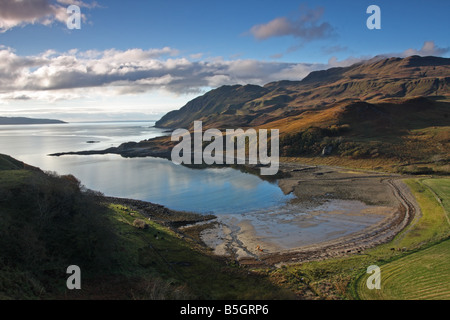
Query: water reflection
[(177, 187), (216, 190)]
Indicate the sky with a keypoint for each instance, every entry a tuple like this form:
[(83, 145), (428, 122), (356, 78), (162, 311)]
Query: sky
[(139, 59)]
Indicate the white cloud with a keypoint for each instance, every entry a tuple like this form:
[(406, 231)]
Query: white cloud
[(81, 4), (196, 56), (334, 62), (429, 48), (14, 13), (298, 71)]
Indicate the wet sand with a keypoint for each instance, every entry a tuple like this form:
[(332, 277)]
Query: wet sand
[(335, 211), (293, 226)]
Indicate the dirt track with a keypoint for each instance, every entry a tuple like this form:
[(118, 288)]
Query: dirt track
[(312, 185), (315, 184)]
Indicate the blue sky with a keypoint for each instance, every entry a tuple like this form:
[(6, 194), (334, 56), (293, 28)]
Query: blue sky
[(139, 59)]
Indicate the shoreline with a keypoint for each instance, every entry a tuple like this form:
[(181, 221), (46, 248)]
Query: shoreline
[(160, 213), (240, 241), (248, 249), (311, 185)]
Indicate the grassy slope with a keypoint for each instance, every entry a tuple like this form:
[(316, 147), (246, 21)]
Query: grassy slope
[(345, 278), (8, 163), (425, 273), (134, 263), (173, 268), (158, 252)]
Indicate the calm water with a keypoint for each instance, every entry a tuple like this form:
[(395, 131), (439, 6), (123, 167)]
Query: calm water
[(219, 191)]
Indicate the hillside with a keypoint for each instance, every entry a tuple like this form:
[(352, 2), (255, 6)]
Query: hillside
[(126, 249), (391, 113), (22, 120), (223, 101), (370, 81), (382, 114)]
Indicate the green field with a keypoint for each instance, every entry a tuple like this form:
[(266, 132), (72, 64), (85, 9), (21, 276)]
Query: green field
[(425, 273), (414, 265), (441, 188), (433, 225)]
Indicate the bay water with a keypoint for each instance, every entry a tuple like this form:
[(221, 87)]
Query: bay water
[(211, 190)]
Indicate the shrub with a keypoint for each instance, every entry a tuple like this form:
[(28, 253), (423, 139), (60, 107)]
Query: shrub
[(312, 140), (140, 224), (48, 223)]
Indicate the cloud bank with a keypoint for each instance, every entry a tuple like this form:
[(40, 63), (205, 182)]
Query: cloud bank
[(75, 74), (114, 72)]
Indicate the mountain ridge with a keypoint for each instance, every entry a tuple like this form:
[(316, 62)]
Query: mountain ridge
[(389, 113), (383, 114), (372, 81)]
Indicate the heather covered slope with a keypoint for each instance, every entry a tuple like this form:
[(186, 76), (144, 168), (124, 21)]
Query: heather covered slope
[(404, 132), (390, 113)]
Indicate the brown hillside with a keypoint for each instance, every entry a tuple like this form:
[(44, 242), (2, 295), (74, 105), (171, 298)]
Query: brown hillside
[(370, 81)]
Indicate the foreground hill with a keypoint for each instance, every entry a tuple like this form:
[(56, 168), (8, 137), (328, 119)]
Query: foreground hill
[(126, 249)]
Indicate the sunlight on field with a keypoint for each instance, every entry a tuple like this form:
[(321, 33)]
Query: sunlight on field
[(423, 274)]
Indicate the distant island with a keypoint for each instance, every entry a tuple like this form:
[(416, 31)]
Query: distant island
[(22, 120)]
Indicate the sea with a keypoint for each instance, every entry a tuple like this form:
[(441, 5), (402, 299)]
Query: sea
[(243, 202), (211, 190)]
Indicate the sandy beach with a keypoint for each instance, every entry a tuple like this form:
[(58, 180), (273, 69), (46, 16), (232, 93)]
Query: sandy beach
[(335, 212)]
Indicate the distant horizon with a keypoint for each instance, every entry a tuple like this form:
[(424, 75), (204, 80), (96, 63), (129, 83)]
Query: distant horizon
[(81, 121), (119, 117)]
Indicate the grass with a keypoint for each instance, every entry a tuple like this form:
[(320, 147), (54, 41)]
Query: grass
[(10, 178), (426, 255), (433, 225), (8, 163), (43, 219), (423, 275), (441, 187), (155, 262), (158, 255)]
